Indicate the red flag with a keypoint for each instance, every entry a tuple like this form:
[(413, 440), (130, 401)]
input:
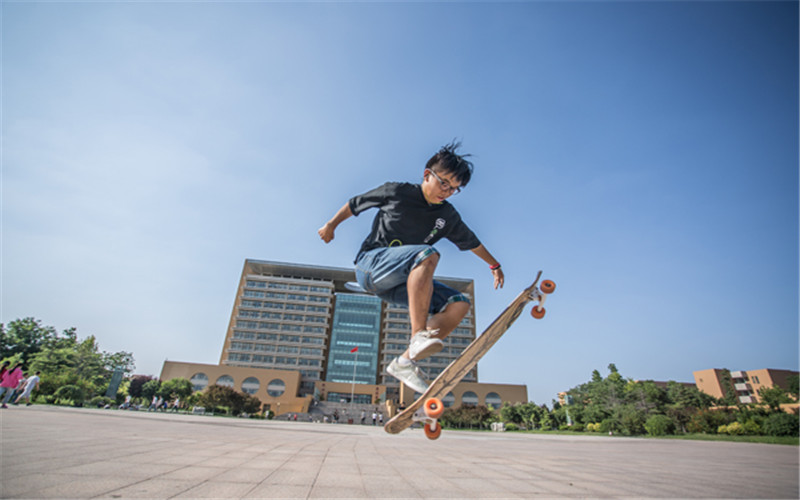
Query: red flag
[(354, 349)]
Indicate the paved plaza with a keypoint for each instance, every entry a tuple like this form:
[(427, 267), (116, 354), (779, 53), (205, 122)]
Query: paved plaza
[(51, 452)]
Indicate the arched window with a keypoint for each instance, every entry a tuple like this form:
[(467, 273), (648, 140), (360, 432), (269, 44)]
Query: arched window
[(449, 400), (225, 381), (251, 385), (276, 388), (494, 399), (199, 381), (469, 398)]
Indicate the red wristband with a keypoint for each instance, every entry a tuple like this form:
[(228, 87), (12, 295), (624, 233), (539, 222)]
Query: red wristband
[(495, 267)]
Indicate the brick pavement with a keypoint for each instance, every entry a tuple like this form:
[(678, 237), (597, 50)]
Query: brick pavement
[(51, 452)]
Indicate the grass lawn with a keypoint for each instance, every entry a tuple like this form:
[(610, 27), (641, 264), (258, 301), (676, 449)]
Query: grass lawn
[(790, 440)]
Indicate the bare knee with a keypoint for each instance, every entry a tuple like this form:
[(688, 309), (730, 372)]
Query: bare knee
[(428, 265), (460, 309), (462, 306), (431, 261)]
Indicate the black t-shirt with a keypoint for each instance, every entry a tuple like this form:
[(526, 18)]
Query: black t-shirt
[(406, 218)]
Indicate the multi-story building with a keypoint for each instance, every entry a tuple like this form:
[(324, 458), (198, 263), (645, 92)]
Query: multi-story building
[(716, 382), (309, 321)]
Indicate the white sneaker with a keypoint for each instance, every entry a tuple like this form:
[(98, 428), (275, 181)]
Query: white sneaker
[(424, 344), (408, 374)]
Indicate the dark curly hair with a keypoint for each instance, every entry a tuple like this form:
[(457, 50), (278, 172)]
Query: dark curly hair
[(447, 160)]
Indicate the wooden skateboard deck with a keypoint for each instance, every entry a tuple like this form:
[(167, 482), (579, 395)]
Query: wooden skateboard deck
[(458, 369)]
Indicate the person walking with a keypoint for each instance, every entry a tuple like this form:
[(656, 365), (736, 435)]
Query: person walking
[(31, 383), (10, 381)]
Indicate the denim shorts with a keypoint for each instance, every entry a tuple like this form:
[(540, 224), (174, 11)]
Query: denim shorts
[(384, 272)]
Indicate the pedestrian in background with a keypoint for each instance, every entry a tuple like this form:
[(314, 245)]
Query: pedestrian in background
[(30, 384), (11, 379)]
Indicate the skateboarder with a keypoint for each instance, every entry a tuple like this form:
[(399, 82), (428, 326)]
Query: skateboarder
[(397, 260)]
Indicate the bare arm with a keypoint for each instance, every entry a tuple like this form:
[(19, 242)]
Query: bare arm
[(499, 277), (326, 232)]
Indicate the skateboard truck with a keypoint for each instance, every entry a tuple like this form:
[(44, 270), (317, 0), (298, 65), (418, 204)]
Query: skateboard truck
[(539, 294), (432, 410), (428, 408)]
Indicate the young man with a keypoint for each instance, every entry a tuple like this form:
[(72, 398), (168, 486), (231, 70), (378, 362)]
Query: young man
[(30, 384), (397, 260)]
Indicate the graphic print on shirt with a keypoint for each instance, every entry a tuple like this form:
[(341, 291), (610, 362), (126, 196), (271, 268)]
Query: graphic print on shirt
[(440, 223)]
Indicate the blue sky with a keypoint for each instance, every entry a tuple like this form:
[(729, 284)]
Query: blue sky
[(643, 154)]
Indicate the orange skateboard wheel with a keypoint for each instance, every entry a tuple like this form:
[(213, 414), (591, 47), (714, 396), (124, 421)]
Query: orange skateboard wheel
[(434, 407), (433, 433), (547, 286), (537, 313)]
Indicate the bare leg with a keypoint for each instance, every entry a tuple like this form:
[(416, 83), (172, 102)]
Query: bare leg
[(447, 320), (420, 291)]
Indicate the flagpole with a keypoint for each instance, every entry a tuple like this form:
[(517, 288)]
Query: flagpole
[(353, 387)]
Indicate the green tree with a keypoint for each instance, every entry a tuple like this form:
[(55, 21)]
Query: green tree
[(151, 388), (250, 404), (119, 361), (176, 388), (708, 421), (646, 395), (468, 416), (683, 402), (726, 382), (217, 397), (794, 386), (24, 336), (596, 400), (63, 359), (631, 419), (71, 361), (659, 425), (136, 385), (774, 397), (510, 414), (684, 396), (782, 424), (68, 338)]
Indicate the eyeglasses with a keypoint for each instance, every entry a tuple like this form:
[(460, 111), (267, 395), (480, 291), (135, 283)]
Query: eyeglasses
[(446, 185)]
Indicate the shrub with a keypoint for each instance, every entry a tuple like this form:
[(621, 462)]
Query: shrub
[(608, 425), (577, 428), (735, 429), (71, 393), (593, 427), (101, 401), (512, 427), (708, 421), (752, 428), (659, 425), (632, 421), (781, 424)]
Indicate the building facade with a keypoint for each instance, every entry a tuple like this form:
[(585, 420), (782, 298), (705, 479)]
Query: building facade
[(716, 382), (307, 321)]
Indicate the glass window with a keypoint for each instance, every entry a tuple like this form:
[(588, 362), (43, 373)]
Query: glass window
[(448, 400), (250, 385), (225, 381), (494, 399), (199, 381), (469, 398), (276, 388)]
